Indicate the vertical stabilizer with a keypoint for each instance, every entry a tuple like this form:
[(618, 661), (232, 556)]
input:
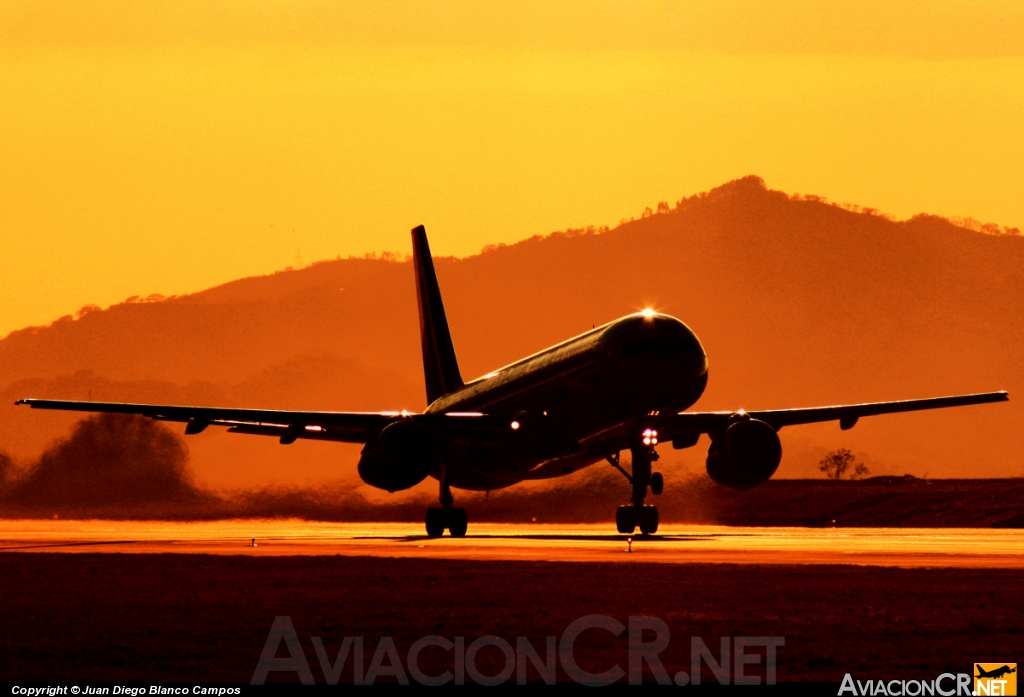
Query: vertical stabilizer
[(440, 368)]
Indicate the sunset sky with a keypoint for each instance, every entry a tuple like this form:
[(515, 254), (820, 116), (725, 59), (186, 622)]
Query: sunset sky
[(164, 147)]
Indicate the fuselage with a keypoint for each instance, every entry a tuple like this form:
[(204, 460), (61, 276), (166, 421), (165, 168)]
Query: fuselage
[(577, 402)]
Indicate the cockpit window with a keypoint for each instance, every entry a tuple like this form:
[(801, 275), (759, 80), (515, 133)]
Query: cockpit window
[(660, 344)]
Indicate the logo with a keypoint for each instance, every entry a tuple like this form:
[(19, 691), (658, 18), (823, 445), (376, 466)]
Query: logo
[(995, 679)]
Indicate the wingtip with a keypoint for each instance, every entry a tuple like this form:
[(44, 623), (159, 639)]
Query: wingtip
[(21, 401), (419, 230)]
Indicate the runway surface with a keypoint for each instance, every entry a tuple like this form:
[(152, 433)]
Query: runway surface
[(675, 544)]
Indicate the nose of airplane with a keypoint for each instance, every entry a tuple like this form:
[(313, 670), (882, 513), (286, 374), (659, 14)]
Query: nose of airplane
[(651, 334)]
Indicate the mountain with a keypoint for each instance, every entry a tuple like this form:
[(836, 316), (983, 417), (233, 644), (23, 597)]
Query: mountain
[(798, 302)]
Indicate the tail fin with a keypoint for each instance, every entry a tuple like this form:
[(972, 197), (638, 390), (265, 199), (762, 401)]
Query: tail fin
[(440, 368)]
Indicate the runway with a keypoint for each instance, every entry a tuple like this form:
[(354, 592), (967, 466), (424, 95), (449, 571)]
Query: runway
[(675, 544)]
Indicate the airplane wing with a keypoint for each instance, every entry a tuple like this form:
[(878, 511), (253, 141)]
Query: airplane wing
[(695, 423), (348, 427), (358, 427)]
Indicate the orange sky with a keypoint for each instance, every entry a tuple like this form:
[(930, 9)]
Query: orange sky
[(164, 147)]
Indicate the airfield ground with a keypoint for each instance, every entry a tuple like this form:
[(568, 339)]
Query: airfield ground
[(153, 617)]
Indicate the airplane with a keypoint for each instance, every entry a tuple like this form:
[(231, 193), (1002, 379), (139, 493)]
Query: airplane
[(625, 385), (996, 673)]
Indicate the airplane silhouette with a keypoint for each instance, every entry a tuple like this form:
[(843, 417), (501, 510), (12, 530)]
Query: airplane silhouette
[(625, 385), (995, 673)]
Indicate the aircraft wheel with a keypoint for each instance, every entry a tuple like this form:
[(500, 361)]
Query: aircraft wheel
[(435, 522), (625, 520), (458, 522), (657, 484), (648, 519)]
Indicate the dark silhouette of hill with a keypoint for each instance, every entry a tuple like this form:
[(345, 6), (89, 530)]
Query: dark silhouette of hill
[(798, 302)]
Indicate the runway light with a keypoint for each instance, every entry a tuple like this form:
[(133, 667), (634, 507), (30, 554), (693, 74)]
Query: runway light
[(515, 425)]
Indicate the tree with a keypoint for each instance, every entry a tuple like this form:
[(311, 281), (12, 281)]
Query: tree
[(839, 462)]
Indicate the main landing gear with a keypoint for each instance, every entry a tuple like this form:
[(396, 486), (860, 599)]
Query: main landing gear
[(447, 517), (636, 514)]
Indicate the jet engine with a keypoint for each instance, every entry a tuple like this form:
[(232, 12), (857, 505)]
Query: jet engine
[(400, 458), (747, 454)]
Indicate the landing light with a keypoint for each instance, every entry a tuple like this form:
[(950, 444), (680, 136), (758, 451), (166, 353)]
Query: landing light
[(650, 436), (515, 425)]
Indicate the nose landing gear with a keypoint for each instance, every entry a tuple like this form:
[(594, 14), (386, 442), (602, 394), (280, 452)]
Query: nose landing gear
[(629, 518), (453, 519), (657, 484), (636, 514)]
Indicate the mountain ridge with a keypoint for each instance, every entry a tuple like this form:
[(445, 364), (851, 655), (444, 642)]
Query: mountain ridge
[(798, 302)]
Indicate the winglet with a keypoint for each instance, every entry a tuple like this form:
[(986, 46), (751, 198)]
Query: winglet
[(440, 368)]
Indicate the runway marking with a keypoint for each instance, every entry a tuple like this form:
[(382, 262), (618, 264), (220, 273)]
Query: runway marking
[(677, 544)]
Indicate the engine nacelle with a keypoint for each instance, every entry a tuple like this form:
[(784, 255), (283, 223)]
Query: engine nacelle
[(402, 457), (747, 454)]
